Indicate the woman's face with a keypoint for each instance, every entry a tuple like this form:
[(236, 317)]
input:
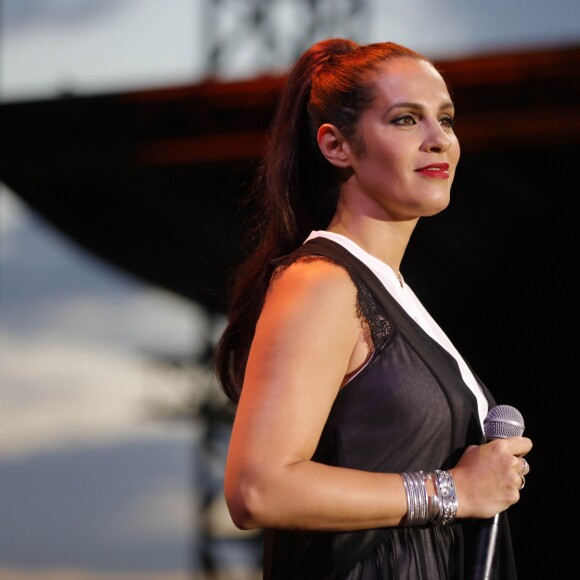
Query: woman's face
[(409, 150)]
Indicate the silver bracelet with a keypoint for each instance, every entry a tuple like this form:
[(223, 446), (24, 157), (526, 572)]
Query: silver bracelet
[(435, 515), (417, 500), (423, 509), (445, 486), (410, 518)]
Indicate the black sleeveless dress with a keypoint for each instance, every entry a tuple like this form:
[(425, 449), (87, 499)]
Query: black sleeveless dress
[(407, 410)]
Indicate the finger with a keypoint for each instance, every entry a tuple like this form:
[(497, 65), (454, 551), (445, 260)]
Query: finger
[(519, 445)]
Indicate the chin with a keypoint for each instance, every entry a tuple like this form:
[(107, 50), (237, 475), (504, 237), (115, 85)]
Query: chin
[(437, 206)]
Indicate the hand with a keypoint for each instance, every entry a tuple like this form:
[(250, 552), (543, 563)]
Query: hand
[(489, 477)]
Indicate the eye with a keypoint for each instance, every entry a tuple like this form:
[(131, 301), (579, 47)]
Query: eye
[(404, 120), (447, 121)]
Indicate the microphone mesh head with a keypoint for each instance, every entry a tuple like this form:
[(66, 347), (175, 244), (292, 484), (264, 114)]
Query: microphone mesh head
[(503, 421)]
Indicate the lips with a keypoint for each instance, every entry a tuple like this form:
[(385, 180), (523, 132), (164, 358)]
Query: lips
[(435, 170)]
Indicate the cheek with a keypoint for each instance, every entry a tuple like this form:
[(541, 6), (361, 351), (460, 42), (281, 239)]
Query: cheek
[(387, 169), (455, 151), (393, 159)]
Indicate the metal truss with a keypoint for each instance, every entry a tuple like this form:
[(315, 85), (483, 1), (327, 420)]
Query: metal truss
[(248, 37)]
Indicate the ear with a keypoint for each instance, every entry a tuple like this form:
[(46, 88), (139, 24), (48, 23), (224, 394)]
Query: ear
[(333, 145)]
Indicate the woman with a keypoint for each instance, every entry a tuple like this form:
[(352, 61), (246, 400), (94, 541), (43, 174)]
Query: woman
[(358, 440)]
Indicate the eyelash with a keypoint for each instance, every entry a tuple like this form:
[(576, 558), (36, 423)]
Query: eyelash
[(448, 121)]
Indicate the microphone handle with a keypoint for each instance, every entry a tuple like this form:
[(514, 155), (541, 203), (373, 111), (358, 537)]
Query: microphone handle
[(501, 421), (487, 541)]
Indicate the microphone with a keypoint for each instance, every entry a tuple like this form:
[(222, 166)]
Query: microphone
[(501, 421)]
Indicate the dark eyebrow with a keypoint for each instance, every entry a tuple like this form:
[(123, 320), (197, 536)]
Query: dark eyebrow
[(418, 107)]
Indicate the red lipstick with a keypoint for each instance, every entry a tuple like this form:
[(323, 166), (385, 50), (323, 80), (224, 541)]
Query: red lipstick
[(435, 170)]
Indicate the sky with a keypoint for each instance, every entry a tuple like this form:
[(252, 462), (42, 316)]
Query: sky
[(91, 481)]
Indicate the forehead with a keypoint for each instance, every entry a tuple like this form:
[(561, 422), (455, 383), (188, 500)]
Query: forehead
[(409, 80)]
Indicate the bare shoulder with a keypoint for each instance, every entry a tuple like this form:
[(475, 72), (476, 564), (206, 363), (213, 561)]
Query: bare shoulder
[(314, 277), (311, 295)]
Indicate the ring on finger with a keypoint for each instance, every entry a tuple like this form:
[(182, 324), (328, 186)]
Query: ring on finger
[(525, 467), (523, 482)]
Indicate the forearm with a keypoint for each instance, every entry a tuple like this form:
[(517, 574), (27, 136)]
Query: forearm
[(310, 495)]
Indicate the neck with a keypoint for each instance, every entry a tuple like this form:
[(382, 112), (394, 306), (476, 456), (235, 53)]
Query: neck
[(385, 240)]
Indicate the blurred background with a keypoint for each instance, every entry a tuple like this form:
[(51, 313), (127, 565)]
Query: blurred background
[(129, 131)]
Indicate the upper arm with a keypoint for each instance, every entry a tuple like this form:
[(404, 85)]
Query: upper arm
[(301, 351)]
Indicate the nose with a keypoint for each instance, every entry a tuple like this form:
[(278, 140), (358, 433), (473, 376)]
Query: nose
[(437, 140)]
